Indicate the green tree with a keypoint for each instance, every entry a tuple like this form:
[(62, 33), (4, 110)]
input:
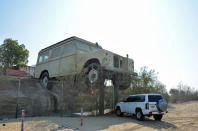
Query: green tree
[(146, 82), (13, 55)]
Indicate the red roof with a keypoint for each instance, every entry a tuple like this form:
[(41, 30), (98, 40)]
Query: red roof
[(14, 72)]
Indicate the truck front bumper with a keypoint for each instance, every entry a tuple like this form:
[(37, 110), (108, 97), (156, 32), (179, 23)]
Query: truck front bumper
[(110, 68)]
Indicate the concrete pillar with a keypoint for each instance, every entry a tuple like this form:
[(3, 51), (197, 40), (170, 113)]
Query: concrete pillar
[(116, 86), (101, 92), (101, 100)]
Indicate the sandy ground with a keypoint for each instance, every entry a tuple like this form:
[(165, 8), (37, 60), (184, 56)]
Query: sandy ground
[(180, 117)]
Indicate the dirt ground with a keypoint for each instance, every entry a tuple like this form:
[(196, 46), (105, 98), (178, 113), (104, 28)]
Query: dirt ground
[(180, 117)]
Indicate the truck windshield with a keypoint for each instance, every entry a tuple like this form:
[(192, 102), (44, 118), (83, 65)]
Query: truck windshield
[(154, 98)]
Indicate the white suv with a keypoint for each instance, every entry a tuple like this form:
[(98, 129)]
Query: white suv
[(142, 105)]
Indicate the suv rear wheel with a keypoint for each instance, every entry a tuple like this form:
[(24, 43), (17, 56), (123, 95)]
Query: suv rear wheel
[(139, 115), (158, 117)]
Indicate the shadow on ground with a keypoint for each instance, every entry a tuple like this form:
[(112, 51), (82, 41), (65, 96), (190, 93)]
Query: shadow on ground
[(148, 122)]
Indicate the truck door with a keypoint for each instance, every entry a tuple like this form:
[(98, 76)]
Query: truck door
[(68, 65), (54, 64)]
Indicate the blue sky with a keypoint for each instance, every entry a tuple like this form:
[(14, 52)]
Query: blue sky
[(160, 34)]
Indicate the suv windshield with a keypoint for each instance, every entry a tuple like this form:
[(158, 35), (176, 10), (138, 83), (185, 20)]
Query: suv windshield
[(154, 98)]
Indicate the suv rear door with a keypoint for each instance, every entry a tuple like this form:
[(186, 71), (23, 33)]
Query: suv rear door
[(137, 101), (140, 102)]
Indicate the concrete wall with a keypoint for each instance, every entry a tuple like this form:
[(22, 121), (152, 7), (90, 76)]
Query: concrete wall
[(30, 96), (63, 97), (29, 70)]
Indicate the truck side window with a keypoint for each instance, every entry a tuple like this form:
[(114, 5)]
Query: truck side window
[(82, 46), (40, 59), (94, 48), (44, 57), (69, 49), (56, 52)]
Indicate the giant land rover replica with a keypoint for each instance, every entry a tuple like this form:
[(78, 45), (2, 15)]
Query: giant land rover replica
[(72, 55)]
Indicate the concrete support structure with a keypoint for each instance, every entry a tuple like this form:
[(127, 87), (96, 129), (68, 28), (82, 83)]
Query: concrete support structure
[(116, 87), (101, 100), (101, 91)]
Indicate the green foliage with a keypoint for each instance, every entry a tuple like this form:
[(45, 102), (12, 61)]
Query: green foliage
[(146, 82), (13, 55)]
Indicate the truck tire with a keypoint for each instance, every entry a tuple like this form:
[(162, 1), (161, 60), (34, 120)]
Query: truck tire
[(44, 80)]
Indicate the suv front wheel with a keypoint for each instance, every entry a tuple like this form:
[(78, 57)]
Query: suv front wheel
[(139, 115), (118, 112)]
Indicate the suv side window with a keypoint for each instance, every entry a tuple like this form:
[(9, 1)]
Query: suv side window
[(140, 98), (128, 99), (131, 99)]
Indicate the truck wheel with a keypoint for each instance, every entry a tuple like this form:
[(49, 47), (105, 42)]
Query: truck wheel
[(158, 117), (44, 79), (118, 112), (139, 115)]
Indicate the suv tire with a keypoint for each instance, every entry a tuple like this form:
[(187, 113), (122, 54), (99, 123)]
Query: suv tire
[(118, 112), (158, 117), (162, 105), (139, 115)]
